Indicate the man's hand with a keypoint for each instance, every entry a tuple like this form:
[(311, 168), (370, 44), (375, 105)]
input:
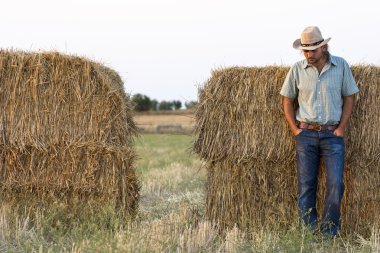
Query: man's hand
[(339, 132), (297, 131)]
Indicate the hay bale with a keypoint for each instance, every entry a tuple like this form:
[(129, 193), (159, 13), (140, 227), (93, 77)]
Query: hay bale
[(65, 129), (242, 133)]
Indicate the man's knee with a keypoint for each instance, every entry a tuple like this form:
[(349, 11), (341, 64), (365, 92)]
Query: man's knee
[(335, 184)]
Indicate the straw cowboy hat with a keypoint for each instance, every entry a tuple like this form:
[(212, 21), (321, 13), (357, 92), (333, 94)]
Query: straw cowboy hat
[(311, 38)]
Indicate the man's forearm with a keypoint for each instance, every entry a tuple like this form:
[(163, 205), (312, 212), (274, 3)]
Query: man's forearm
[(348, 106), (290, 114)]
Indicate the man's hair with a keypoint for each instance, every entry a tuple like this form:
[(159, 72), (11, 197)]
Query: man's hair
[(327, 52)]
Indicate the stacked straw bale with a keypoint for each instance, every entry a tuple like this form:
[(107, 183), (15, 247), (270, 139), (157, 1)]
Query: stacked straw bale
[(249, 151), (65, 130)]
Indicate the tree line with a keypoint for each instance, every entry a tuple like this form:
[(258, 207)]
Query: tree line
[(142, 102)]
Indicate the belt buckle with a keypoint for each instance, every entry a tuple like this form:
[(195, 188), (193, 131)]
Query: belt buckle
[(318, 128)]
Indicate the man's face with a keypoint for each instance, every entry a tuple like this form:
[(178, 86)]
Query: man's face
[(313, 56)]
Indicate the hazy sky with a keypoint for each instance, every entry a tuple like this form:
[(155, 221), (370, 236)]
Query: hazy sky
[(167, 48)]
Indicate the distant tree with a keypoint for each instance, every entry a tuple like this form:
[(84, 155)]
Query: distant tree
[(165, 105), (190, 104), (144, 103), (177, 104), (141, 102), (154, 104)]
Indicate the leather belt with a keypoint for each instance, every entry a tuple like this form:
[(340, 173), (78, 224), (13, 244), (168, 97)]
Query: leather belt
[(308, 126)]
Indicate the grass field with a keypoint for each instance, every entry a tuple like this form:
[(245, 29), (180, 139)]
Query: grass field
[(170, 217)]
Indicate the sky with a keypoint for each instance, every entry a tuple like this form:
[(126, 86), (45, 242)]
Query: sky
[(167, 49)]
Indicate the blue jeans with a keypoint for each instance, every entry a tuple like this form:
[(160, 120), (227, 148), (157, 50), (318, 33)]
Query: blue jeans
[(310, 147)]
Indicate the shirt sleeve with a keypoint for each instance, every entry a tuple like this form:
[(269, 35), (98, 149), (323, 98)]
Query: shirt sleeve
[(349, 85), (289, 87)]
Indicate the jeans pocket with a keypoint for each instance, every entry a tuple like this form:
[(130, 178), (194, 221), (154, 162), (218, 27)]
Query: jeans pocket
[(332, 134), (300, 133)]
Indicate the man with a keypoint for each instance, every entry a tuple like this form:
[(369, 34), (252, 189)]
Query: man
[(324, 88)]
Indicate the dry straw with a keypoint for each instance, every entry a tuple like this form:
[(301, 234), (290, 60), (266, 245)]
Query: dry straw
[(65, 129), (242, 135)]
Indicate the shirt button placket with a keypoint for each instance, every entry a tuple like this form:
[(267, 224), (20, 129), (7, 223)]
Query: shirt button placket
[(319, 109)]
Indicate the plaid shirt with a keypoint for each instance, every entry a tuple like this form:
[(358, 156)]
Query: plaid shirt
[(320, 96)]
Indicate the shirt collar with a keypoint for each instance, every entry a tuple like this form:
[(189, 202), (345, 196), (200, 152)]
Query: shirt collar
[(332, 60)]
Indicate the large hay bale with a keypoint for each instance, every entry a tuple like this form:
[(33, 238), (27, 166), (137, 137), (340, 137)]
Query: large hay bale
[(242, 133), (65, 129)]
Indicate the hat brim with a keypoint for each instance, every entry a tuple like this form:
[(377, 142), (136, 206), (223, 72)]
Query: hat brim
[(297, 45)]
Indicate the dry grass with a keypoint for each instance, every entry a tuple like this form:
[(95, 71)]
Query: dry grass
[(66, 129), (155, 119), (169, 122), (242, 135)]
